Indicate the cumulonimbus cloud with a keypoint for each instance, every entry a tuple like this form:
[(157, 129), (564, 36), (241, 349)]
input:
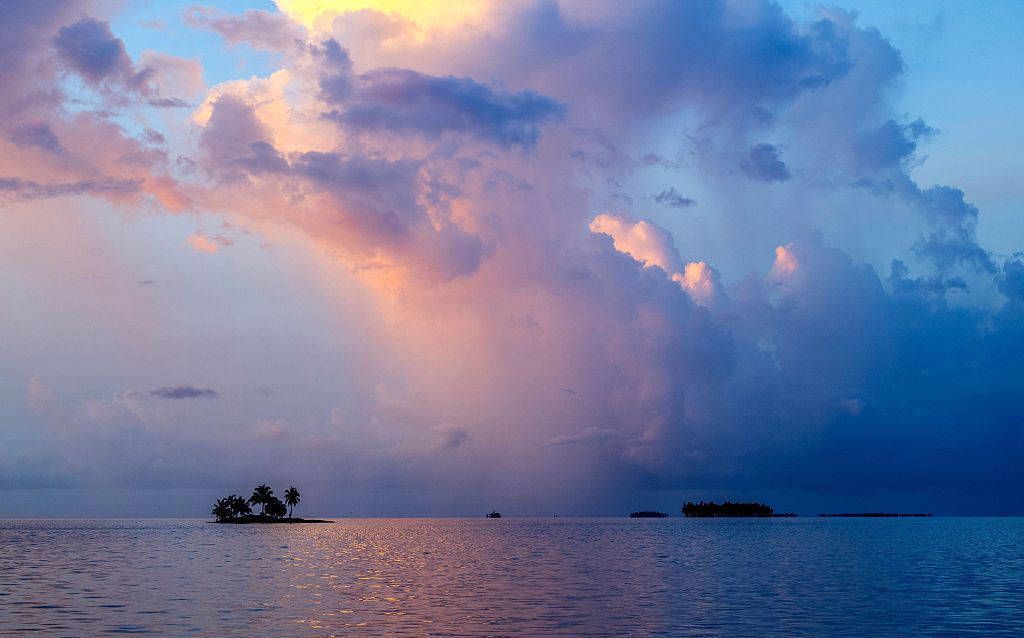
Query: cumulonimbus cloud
[(493, 206)]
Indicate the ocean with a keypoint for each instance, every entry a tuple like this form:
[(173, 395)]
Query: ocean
[(515, 577)]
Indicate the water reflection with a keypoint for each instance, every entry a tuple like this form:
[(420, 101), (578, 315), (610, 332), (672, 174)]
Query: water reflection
[(505, 577)]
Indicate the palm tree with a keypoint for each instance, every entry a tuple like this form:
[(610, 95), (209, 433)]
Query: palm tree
[(275, 507), (261, 495), (239, 506), (222, 509), (292, 498)]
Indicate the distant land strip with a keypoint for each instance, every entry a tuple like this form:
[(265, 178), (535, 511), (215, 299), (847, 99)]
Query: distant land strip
[(648, 514)]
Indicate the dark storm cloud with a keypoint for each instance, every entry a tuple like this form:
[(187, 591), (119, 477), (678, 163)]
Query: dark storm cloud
[(183, 392), (893, 385), (1011, 282), (91, 49), (949, 248), (952, 240), (715, 54), (406, 101), (901, 284), (886, 145), (763, 164), (671, 197)]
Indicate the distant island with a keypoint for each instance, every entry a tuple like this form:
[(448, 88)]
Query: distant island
[(871, 515), (237, 510), (494, 514), (728, 509), (648, 514)]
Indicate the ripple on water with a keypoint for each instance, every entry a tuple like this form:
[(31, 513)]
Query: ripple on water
[(541, 577)]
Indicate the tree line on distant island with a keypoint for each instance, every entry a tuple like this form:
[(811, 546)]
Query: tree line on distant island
[(235, 509), (710, 509), (728, 509)]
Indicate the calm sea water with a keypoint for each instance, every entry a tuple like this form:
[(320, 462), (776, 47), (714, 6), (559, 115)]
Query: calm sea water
[(515, 577)]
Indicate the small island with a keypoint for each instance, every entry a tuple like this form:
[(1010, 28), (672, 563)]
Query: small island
[(494, 514), (648, 514), (728, 509), (237, 510)]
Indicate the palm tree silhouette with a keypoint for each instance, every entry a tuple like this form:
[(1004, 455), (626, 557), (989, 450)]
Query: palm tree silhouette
[(261, 495), (222, 509), (292, 498), (275, 507), (239, 506)]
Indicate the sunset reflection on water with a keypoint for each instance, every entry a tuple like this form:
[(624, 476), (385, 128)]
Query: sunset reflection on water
[(533, 577)]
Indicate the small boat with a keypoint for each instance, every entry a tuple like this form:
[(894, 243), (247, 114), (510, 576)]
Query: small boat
[(494, 515)]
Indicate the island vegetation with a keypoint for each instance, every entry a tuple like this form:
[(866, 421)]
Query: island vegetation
[(235, 509), (728, 509), (648, 514)]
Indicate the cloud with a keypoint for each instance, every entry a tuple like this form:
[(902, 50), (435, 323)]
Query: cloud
[(680, 382), (949, 248), (451, 181), (449, 438), (154, 137), (901, 284), (168, 103), (646, 242), (1011, 283), (702, 282), (56, 144), (91, 49), (183, 392), (208, 244), (16, 189), (588, 435), (671, 197), (888, 144), (763, 164), (261, 29), (36, 134), (406, 101)]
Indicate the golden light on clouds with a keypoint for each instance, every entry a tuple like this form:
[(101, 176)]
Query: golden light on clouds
[(786, 261), (698, 279), (427, 15), (642, 240)]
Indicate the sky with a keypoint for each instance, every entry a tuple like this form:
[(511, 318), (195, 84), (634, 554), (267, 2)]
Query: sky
[(554, 257)]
